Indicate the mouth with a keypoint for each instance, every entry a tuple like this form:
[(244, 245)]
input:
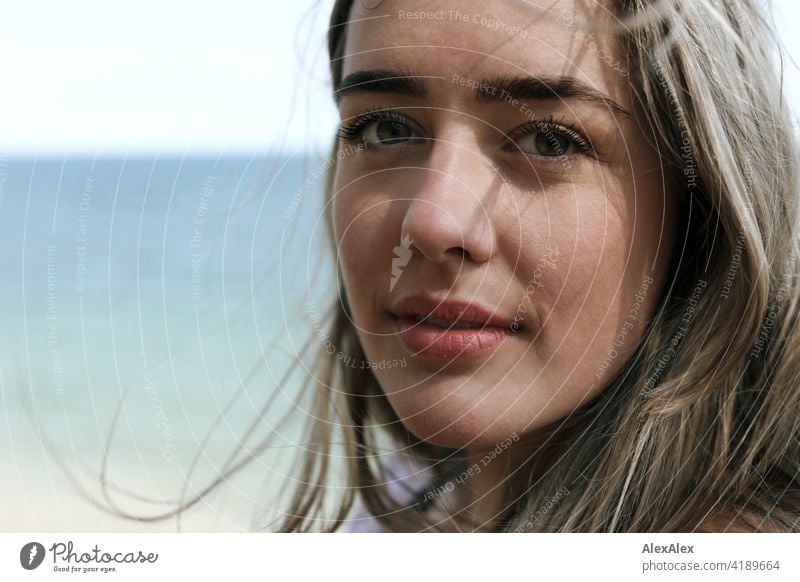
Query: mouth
[(451, 329), (447, 323)]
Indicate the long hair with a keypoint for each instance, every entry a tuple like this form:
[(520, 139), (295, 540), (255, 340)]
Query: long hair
[(700, 430)]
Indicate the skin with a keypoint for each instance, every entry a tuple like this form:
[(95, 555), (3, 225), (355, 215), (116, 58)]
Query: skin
[(488, 213)]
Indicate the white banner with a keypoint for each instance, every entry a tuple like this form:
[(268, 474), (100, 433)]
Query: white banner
[(398, 557)]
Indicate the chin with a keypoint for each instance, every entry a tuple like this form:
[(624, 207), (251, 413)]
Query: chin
[(459, 435), (450, 421)]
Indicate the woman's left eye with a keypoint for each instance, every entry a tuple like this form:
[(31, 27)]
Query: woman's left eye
[(546, 144), (549, 141)]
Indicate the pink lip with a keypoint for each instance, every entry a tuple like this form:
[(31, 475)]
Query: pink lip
[(449, 342)]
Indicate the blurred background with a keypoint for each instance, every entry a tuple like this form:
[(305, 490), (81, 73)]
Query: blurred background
[(160, 217)]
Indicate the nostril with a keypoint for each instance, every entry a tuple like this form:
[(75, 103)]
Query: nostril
[(460, 252), (447, 232)]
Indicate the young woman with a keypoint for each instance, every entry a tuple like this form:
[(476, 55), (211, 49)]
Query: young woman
[(566, 235)]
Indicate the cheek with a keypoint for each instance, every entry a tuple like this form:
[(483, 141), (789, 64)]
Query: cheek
[(578, 247), (364, 230), (592, 270)]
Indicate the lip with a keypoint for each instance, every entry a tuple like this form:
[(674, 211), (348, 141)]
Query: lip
[(427, 339)]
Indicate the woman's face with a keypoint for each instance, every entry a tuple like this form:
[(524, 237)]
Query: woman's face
[(507, 191)]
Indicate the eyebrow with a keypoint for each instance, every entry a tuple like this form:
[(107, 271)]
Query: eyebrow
[(491, 90), (381, 81)]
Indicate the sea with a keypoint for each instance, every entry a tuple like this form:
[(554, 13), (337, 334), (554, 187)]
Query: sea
[(152, 307)]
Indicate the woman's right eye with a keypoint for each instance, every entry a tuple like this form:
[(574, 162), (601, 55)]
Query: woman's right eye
[(387, 133), (380, 129)]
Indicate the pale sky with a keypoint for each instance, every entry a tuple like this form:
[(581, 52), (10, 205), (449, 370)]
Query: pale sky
[(176, 75)]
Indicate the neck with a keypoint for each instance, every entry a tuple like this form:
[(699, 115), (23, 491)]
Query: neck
[(501, 475)]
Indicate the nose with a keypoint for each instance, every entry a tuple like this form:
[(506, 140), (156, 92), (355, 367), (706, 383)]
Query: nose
[(450, 214)]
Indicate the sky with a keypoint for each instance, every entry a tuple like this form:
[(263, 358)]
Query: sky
[(179, 76)]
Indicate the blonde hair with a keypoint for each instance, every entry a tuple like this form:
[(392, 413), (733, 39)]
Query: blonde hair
[(699, 431)]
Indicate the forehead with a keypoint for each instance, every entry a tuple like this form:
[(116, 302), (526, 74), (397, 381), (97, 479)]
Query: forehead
[(474, 39)]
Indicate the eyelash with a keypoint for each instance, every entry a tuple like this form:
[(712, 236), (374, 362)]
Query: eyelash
[(550, 125), (350, 131)]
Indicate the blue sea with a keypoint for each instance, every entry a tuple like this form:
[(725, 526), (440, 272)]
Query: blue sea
[(143, 299)]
